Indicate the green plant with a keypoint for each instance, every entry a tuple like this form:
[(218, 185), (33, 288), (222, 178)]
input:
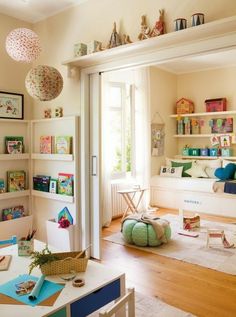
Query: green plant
[(40, 258)]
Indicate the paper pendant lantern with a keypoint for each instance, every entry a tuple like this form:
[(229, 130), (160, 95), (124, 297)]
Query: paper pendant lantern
[(23, 45), (44, 82)]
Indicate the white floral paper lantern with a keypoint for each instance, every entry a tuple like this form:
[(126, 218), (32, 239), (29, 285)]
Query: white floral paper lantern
[(23, 45), (44, 82)]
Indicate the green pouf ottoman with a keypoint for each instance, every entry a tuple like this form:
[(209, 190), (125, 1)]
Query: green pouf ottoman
[(143, 234)]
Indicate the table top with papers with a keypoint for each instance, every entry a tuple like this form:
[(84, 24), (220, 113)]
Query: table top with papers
[(96, 276)]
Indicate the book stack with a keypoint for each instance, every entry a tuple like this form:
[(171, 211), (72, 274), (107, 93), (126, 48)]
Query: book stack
[(14, 144), (16, 181), (41, 182)]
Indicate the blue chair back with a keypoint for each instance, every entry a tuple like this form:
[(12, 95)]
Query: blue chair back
[(13, 240)]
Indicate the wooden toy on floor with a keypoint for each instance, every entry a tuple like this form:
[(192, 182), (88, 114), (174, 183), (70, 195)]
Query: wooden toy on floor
[(218, 234)]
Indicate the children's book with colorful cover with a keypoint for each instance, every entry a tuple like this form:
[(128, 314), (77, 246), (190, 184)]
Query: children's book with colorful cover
[(45, 144), (63, 144), (16, 181), (65, 184), (14, 144)]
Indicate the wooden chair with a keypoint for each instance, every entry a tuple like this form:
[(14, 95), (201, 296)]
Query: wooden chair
[(128, 299), (13, 240)]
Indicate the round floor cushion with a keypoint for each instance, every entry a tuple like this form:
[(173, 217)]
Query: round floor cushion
[(143, 234)]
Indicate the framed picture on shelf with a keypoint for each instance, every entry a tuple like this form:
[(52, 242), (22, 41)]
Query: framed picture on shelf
[(11, 105), (224, 140)]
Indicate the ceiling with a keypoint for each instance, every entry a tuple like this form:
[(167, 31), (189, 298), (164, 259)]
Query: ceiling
[(198, 63), (35, 10)]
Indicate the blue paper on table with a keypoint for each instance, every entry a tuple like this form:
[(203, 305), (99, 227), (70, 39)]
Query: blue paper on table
[(47, 289)]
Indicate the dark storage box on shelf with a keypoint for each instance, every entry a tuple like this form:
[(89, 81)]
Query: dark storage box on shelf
[(226, 152), (194, 152), (213, 152), (204, 152), (214, 105)]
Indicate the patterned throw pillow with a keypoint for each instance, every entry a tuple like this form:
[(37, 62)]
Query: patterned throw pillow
[(168, 171), (185, 166), (197, 171)]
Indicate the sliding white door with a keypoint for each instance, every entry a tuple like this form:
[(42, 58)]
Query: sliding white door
[(95, 164)]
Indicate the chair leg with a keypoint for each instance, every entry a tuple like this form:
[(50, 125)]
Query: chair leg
[(128, 298)]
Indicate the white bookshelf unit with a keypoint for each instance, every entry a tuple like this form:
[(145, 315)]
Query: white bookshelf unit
[(47, 205), (11, 162), (203, 135)]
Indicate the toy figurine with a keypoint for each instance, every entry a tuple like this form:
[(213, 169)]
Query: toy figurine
[(126, 39), (114, 39), (47, 113), (159, 27), (145, 30), (58, 112), (100, 48)]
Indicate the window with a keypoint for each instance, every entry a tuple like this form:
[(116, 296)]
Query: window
[(119, 107)]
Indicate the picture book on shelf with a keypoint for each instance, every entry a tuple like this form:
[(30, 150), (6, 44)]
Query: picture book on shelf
[(2, 186), (14, 144), (65, 184), (46, 142), (12, 213), (41, 183), (63, 144), (16, 181)]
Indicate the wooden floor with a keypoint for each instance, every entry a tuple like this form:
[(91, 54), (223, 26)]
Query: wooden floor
[(192, 288)]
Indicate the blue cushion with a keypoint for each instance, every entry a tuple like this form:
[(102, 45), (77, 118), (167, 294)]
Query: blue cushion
[(227, 172)]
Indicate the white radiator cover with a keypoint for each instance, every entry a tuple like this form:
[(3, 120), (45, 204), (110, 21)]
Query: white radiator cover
[(118, 203)]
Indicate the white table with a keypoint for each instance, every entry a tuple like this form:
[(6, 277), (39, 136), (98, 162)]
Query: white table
[(129, 197), (100, 283)]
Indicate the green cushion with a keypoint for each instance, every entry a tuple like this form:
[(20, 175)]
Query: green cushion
[(142, 234), (186, 166)]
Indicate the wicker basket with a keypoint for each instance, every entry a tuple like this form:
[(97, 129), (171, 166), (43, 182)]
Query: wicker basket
[(67, 262)]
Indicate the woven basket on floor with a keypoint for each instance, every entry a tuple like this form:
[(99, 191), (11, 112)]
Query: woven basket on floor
[(66, 263)]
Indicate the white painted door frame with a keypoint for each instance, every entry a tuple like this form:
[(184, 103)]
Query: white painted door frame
[(213, 40)]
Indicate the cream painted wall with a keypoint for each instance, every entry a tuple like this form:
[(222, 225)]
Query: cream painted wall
[(12, 78), (163, 91), (203, 85), (94, 20)]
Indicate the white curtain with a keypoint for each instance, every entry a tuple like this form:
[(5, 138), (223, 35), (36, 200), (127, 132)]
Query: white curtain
[(142, 132), (141, 146), (106, 158)]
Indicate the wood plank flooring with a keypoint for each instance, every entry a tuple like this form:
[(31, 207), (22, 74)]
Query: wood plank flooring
[(192, 288)]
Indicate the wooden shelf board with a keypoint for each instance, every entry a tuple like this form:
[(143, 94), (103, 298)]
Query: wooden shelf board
[(53, 157), (37, 193), (10, 195), (14, 121), (201, 135), (202, 114), (206, 157), (6, 157), (155, 45), (53, 119)]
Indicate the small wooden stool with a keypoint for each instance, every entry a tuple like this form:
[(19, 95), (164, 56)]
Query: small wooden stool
[(214, 234)]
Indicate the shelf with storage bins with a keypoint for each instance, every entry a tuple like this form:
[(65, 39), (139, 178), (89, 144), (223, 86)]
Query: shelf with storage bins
[(47, 205), (200, 128)]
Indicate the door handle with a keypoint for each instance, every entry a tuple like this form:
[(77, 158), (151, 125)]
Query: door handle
[(94, 165)]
